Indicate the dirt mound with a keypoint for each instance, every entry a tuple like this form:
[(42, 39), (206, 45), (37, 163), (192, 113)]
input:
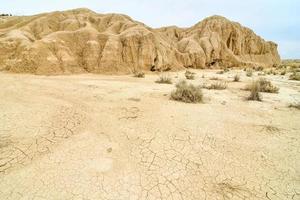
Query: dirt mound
[(81, 40)]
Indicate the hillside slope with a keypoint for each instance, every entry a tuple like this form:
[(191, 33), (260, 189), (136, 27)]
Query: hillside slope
[(81, 40)]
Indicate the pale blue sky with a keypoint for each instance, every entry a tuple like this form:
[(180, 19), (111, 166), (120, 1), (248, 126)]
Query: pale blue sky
[(276, 20)]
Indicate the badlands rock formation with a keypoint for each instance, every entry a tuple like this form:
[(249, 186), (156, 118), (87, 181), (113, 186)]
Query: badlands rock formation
[(84, 41)]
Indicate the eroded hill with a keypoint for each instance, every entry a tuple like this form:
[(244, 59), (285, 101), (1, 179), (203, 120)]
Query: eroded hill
[(81, 40)]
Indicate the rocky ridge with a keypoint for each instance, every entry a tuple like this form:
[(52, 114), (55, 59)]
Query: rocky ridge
[(80, 40)]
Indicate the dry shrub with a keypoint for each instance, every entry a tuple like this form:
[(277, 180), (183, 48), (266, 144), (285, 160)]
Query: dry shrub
[(295, 76), (138, 74), (283, 72), (258, 68), (189, 75), (219, 85), (249, 72), (264, 86), (254, 92), (236, 78), (187, 93), (214, 78), (164, 79), (295, 105)]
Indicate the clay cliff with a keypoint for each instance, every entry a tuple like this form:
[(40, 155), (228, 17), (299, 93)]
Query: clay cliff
[(81, 40)]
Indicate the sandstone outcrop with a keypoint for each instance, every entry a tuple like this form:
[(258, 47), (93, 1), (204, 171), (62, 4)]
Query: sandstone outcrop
[(81, 40)]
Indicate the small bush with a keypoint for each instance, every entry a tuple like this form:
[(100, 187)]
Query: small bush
[(138, 74), (254, 92), (164, 79), (236, 78), (187, 93), (264, 86), (295, 76), (220, 85), (220, 72), (258, 68), (226, 69), (249, 72), (295, 105), (283, 72), (214, 78), (189, 75)]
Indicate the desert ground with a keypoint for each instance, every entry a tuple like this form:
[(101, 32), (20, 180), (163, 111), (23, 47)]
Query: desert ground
[(122, 138)]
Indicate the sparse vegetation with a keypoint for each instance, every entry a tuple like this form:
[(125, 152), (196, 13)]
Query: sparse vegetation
[(236, 78), (295, 105), (283, 72), (264, 86), (254, 92), (295, 76), (258, 68), (5, 15), (249, 72), (138, 74), (81, 47), (187, 93), (214, 78), (219, 85), (189, 75), (164, 79), (267, 86), (223, 71)]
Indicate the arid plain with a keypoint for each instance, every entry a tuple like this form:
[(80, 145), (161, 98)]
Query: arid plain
[(120, 137)]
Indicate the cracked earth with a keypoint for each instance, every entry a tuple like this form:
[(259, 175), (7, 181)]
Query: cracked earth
[(121, 138)]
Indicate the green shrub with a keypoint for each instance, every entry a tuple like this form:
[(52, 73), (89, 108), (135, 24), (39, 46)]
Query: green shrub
[(187, 93), (164, 79)]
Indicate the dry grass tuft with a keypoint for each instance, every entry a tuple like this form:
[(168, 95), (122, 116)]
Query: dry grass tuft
[(264, 86), (187, 93), (295, 105), (236, 78), (214, 78), (295, 76), (138, 74), (189, 75), (219, 85), (228, 190), (249, 72), (164, 79), (267, 86), (254, 92)]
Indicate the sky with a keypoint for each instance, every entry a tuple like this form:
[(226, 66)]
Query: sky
[(274, 20)]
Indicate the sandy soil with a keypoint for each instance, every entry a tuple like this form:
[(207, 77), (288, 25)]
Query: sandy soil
[(120, 137)]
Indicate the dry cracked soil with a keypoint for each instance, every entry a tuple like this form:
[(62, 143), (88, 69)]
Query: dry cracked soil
[(122, 138)]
